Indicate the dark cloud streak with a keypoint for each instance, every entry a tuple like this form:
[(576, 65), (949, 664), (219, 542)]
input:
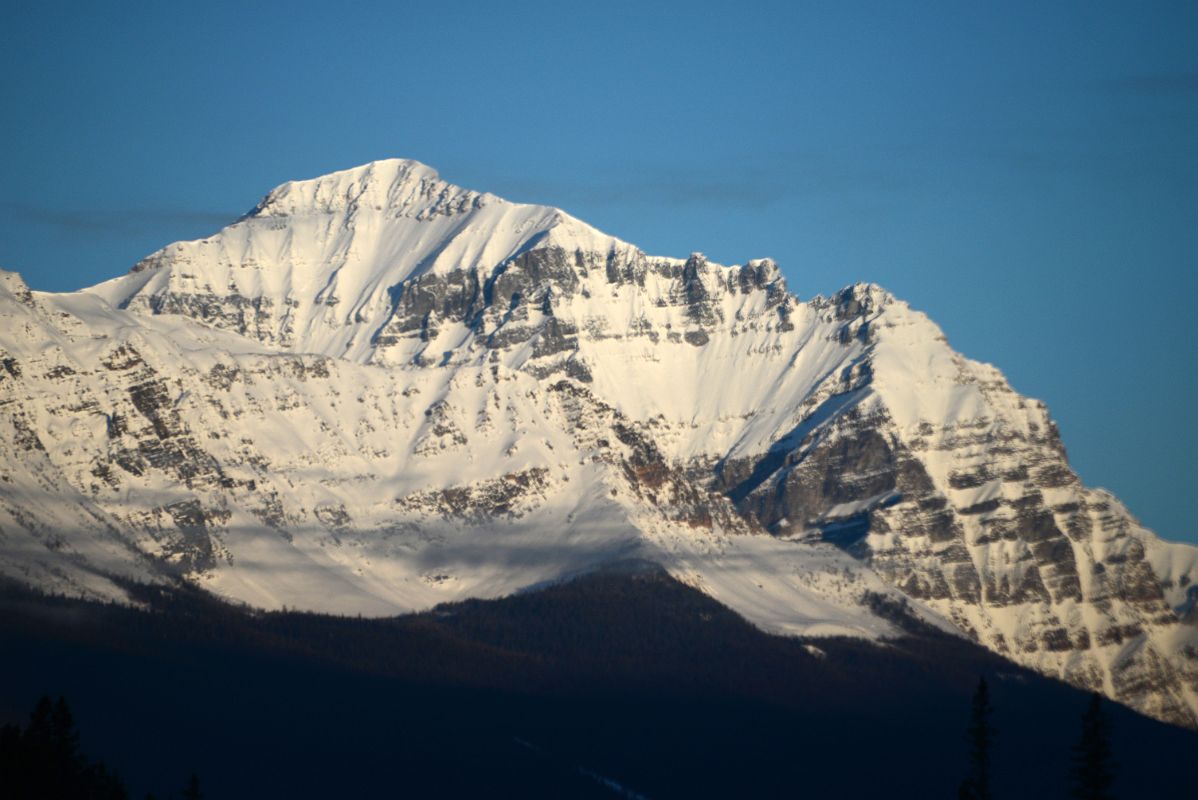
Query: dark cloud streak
[(114, 221), (1162, 85), (749, 186)]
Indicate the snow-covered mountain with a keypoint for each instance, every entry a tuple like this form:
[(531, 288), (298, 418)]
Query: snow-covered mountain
[(378, 391)]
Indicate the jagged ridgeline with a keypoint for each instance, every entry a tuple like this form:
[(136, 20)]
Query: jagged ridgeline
[(377, 392)]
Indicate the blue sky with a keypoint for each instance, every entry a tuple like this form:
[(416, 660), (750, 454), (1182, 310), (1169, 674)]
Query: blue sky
[(1027, 173)]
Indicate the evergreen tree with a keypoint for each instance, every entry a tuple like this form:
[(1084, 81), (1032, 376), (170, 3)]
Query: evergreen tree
[(64, 737), (976, 785), (192, 790), (11, 756), (1093, 763), (44, 762)]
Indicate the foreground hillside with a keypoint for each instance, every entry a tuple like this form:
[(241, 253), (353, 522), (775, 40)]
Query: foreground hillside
[(627, 679)]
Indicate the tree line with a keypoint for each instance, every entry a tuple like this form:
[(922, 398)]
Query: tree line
[(43, 761), (1092, 768)]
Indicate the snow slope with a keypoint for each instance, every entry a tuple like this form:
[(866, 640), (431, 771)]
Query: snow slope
[(280, 480)]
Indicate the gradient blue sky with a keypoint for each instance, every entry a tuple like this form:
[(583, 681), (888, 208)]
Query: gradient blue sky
[(1027, 173)]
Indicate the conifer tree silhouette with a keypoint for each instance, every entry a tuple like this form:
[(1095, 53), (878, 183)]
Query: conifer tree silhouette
[(1093, 761), (192, 790), (980, 734), (44, 761)]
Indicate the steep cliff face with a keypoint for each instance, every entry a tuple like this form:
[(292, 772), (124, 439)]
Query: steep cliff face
[(958, 491), (378, 391)]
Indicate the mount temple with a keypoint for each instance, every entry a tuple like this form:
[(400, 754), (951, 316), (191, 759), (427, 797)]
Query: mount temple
[(377, 392)]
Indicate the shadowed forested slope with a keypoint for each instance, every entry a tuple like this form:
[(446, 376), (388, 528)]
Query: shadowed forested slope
[(624, 680)]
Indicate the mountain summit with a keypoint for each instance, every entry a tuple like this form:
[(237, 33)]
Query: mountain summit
[(315, 266), (378, 391)]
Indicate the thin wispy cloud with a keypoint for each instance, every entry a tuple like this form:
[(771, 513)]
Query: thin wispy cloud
[(1029, 158), (750, 186), (1161, 85), (114, 221)]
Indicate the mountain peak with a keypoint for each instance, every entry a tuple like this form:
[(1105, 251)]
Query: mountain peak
[(320, 264), (404, 186)]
